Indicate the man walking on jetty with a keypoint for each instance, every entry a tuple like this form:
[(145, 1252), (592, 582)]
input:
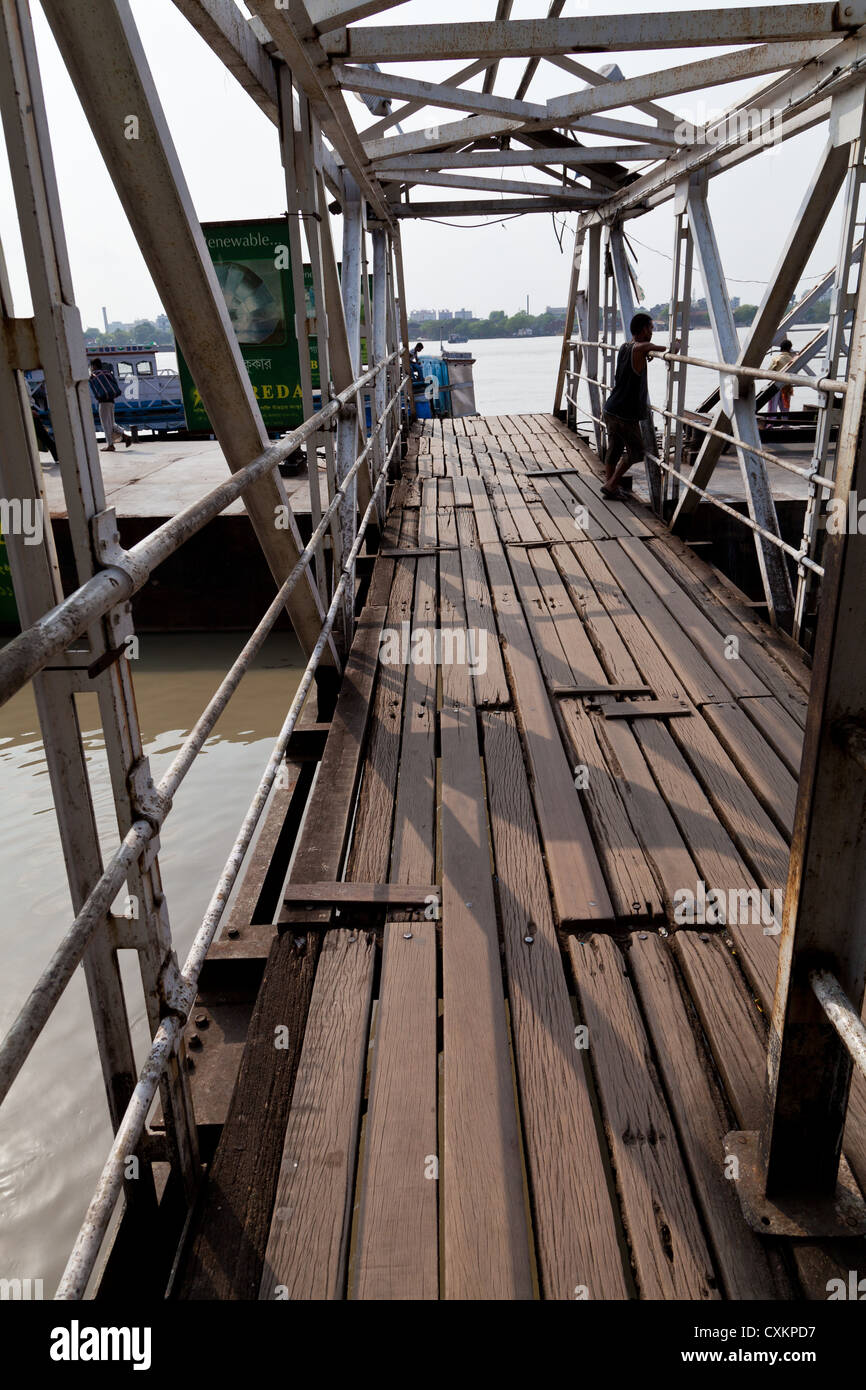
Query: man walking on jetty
[(628, 404), (105, 391)]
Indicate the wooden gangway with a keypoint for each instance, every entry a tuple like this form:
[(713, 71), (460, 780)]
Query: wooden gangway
[(509, 1075)]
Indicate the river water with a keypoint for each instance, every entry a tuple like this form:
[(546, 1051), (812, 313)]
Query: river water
[(54, 1133)]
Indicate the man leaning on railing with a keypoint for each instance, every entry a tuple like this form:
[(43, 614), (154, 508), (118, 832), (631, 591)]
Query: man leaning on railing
[(628, 404)]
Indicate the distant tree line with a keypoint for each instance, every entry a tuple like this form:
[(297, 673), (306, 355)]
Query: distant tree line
[(819, 312), (498, 325), (142, 332)]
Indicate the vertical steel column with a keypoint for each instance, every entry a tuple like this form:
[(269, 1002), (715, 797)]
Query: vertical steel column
[(625, 294), (103, 52), (842, 302), (295, 196), (738, 398), (105, 668), (793, 1171), (571, 305), (679, 323), (36, 581), (825, 183), (592, 358), (404, 322), (315, 216), (380, 337), (348, 419)]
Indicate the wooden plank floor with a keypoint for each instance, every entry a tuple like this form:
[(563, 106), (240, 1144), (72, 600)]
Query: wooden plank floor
[(521, 1090)]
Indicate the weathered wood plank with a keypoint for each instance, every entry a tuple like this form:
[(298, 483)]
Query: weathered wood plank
[(736, 673), (742, 1258), (491, 686), (670, 1255), (226, 1254), (307, 1246), (575, 1225), (397, 1243), (764, 772), (576, 878), (486, 1241), (779, 728)]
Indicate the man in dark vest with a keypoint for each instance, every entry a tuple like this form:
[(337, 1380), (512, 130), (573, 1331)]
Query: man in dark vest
[(628, 403)]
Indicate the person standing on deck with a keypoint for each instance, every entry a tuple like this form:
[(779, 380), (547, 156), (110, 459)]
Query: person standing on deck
[(780, 402), (628, 403), (105, 390)]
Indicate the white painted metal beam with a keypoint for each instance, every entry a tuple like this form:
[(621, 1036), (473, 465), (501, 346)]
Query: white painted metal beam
[(361, 79), (547, 190), (554, 11), (597, 79), (486, 207), (225, 29), (573, 109), (293, 32), (688, 77), (331, 14), (532, 38), (570, 155), (503, 11), (236, 42), (801, 99)]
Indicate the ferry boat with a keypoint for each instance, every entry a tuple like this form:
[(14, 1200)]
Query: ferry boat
[(150, 395)]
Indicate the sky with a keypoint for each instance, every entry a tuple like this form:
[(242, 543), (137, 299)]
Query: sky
[(229, 152)]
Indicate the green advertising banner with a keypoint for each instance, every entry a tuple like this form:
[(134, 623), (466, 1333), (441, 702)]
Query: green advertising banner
[(252, 265)]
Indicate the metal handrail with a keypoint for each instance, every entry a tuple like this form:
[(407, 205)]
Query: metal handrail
[(51, 634), (800, 556), (841, 1014), (167, 1036), (36, 1011), (810, 475), (828, 384)]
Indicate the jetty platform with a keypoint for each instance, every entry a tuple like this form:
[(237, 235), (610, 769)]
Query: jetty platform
[(504, 1068)]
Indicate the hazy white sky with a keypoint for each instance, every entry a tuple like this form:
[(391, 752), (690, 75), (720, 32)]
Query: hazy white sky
[(229, 152)]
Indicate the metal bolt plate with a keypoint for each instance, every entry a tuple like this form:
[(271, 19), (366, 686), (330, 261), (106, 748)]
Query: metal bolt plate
[(825, 1218)]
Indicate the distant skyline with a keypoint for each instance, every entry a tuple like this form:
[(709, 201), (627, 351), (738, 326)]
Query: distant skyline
[(229, 152)]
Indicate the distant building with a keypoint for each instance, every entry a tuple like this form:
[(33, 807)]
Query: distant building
[(735, 301), (162, 323), (421, 315), (445, 315), (464, 314), (560, 312)]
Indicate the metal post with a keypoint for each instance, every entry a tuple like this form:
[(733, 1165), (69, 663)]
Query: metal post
[(791, 1180), (314, 214), (404, 319), (103, 52), (842, 302), (296, 210), (738, 397), (104, 668), (679, 323), (591, 355), (574, 278), (626, 313), (347, 421)]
